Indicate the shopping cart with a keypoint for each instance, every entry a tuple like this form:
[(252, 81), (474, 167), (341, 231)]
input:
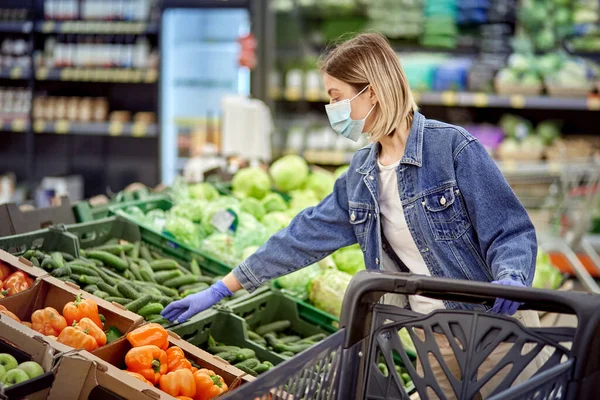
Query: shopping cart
[(346, 364)]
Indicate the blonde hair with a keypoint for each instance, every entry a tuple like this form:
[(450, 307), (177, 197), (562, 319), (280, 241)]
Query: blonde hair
[(368, 59)]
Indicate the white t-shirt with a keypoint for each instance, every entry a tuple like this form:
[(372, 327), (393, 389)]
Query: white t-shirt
[(398, 235)]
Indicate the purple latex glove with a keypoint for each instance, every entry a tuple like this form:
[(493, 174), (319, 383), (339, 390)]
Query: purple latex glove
[(504, 306), (184, 309)]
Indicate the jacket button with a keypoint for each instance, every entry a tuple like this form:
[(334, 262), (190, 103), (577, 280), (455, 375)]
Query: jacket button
[(371, 177), (443, 201), (353, 217), (377, 261)]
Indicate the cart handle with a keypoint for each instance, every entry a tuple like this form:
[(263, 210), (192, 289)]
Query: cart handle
[(367, 288)]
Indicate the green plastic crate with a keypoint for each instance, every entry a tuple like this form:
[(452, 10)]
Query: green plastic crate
[(166, 242), (50, 239), (224, 327), (85, 212)]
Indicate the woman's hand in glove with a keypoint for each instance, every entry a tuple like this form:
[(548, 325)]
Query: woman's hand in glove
[(184, 309), (504, 306)]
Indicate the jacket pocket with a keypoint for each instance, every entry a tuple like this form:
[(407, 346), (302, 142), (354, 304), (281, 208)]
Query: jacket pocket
[(446, 214), (361, 218)]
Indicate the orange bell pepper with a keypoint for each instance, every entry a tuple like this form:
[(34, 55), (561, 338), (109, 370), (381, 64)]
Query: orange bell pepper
[(149, 334), (137, 376), (77, 339), (5, 270), (78, 309), (178, 383), (88, 326), (176, 359), (9, 314), (208, 384), (148, 361), (17, 282), (48, 321)]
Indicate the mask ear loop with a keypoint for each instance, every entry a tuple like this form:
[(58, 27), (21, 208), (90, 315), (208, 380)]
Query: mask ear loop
[(359, 93)]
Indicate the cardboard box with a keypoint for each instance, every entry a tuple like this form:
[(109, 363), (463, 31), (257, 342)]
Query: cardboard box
[(114, 353), (82, 376), (22, 264), (51, 292), (37, 349)]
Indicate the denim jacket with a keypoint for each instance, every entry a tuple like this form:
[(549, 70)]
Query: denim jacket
[(461, 212)]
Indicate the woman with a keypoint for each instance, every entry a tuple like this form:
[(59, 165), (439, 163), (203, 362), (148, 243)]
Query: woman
[(424, 197)]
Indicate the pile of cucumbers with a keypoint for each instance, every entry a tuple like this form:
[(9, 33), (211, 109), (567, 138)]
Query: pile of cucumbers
[(401, 371), (130, 274), (277, 337), (244, 359)]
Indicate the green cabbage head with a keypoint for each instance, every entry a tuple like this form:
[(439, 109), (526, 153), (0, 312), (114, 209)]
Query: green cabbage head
[(320, 183), (273, 202), (349, 259), (327, 291), (289, 172), (251, 182)]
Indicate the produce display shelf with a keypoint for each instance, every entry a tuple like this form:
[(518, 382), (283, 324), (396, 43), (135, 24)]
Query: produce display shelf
[(14, 124), (97, 27), (15, 73), (485, 100), (16, 26), (168, 243), (96, 128), (115, 75)]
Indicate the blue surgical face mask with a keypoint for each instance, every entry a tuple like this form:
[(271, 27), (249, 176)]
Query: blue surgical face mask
[(339, 118)]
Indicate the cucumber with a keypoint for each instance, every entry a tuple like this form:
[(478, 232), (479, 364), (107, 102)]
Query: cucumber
[(248, 371), (248, 363), (268, 363), (274, 342), (58, 259), (287, 354), (145, 254), (153, 316), (260, 368), (115, 249), (62, 271), (48, 264), (163, 300), (180, 281), (163, 265), (276, 326), (296, 348), (151, 290), (90, 288), (67, 257), (314, 338), (35, 262), (135, 251), (97, 263), (115, 277), (105, 277), (112, 290), (90, 280), (160, 321), (222, 349), (228, 356), (128, 275), (150, 308), (156, 255), (254, 336), (135, 305), (164, 276), (28, 254), (165, 290), (195, 268), (195, 290), (119, 300), (135, 270), (245, 354), (128, 291), (82, 270), (101, 294), (290, 339), (67, 279), (200, 281), (146, 271), (109, 259)]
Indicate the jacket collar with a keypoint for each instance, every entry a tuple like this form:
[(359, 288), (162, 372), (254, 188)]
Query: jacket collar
[(413, 152)]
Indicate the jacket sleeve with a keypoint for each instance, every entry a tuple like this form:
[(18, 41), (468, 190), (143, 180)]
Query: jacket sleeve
[(506, 234), (311, 236)]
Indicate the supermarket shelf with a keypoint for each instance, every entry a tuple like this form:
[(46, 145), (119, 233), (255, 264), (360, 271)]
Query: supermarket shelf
[(97, 27), (15, 73), (14, 124), (116, 75), (96, 128), (16, 26), (327, 157), (484, 100)]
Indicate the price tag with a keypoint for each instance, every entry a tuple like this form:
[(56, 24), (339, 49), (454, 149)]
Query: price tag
[(139, 129), (16, 73), (39, 125), (18, 125), (42, 74), (517, 101), (593, 103), (449, 98), (224, 221), (480, 100), (115, 129), (61, 127)]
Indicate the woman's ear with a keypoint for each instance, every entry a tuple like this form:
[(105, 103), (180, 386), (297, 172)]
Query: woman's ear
[(372, 95)]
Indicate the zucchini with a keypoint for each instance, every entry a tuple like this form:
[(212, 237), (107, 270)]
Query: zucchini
[(245, 354), (164, 276), (150, 308), (90, 288), (82, 270), (222, 349), (112, 290), (145, 254), (58, 259), (276, 326), (260, 368), (248, 363), (109, 259), (101, 294), (119, 300), (135, 305), (195, 268), (163, 265), (248, 371), (128, 291), (62, 271), (180, 281)]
